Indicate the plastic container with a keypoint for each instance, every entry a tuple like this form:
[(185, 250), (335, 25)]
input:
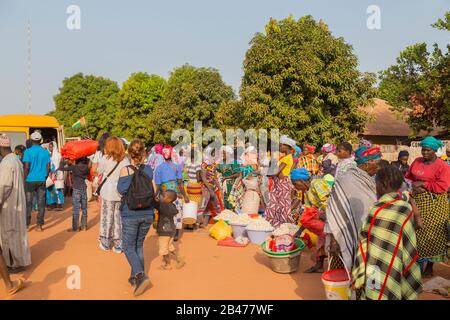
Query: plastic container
[(285, 262), (239, 230), (190, 212), (258, 236), (336, 283)]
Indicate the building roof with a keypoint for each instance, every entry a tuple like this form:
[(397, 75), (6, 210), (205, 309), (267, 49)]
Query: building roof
[(385, 122)]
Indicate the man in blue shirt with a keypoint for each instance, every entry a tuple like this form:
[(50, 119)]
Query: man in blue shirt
[(36, 169)]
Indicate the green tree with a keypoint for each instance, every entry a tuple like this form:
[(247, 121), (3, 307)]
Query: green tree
[(301, 79), (192, 94), (419, 83), (138, 97), (92, 97)]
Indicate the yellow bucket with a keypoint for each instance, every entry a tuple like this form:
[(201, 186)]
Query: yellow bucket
[(337, 283)]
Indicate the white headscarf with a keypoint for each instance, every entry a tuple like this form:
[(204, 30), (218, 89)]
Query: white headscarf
[(56, 156)]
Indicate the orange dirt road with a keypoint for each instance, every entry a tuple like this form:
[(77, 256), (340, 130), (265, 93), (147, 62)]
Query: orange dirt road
[(211, 272)]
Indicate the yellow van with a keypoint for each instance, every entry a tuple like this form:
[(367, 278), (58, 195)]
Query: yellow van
[(19, 128)]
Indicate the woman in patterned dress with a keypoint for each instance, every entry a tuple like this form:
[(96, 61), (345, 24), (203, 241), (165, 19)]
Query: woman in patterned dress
[(280, 201), (211, 203), (229, 170), (430, 178)]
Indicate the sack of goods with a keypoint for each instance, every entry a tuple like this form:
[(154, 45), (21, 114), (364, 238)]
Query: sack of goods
[(75, 150), (220, 231)]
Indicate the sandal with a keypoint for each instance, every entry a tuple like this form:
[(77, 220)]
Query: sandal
[(17, 286)]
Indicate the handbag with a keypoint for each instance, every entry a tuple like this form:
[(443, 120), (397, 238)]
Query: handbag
[(49, 182), (97, 192)]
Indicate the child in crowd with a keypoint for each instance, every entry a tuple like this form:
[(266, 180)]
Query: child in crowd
[(80, 172), (166, 229)]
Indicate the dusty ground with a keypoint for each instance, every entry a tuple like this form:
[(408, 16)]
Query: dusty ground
[(211, 272)]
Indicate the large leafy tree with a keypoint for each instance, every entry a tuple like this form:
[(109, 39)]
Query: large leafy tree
[(138, 97), (192, 94), (419, 83), (92, 97), (301, 79)]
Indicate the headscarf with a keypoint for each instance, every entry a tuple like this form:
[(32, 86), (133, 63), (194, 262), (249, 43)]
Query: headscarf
[(365, 143), (56, 156), (159, 148), (329, 148), (311, 148), (287, 141), (364, 154), (300, 174), (431, 142), (167, 152), (403, 153), (297, 152)]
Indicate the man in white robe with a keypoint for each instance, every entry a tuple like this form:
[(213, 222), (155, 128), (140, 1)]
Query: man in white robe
[(13, 228)]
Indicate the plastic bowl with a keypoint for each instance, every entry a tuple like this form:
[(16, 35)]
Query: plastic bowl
[(239, 230), (258, 236)]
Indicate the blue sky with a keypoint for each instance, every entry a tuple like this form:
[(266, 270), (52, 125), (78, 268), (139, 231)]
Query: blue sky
[(121, 37)]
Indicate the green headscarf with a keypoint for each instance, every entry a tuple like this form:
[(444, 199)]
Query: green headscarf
[(431, 142)]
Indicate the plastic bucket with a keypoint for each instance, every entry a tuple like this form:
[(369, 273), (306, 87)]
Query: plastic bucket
[(190, 212), (239, 230), (258, 236), (337, 283)]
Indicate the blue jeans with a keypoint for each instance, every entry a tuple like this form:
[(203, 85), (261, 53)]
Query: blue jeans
[(79, 201), (134, 231), (35, 189)]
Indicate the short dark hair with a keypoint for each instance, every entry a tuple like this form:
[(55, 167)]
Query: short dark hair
[(346, 146), (20, 148), (172, 194), (389, 178), (383, 163)]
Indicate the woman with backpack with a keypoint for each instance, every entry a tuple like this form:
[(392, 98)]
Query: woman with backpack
[(137, 188)]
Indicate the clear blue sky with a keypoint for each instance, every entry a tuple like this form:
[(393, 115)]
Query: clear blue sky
[(121, 37)]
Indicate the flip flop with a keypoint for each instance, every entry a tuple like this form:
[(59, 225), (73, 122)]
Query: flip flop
[(17, 285)]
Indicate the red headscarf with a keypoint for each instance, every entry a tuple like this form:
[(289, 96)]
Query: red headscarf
[(167, 152), (311, 149)]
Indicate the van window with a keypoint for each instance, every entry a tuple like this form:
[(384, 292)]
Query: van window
[(17, 138)]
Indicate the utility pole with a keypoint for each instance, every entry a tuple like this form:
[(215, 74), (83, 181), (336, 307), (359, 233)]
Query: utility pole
[(29, 66)]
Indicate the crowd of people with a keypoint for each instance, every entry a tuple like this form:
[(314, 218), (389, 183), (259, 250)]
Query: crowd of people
[(364, 210)]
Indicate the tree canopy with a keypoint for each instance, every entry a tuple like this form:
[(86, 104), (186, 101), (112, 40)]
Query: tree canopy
[(92, 97), (138, 97), (419, 83), (301, 79), (192, 94)]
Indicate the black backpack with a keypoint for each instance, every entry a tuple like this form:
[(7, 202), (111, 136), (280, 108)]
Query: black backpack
[(140, 195)]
